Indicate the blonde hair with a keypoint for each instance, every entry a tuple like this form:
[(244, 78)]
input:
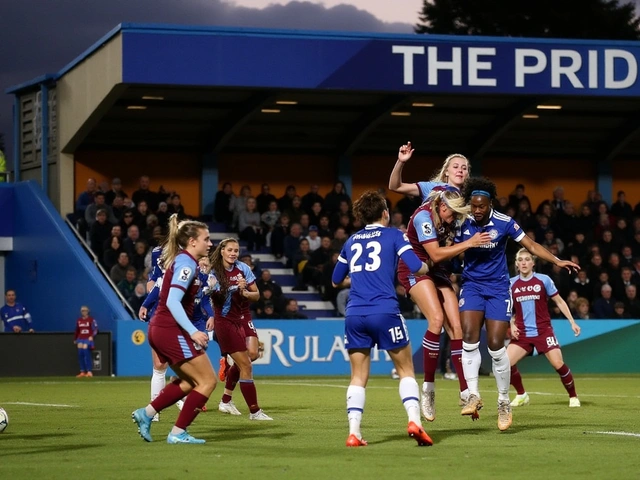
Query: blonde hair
[(453, 199), (441, 176), (523, 251), (178, 238)]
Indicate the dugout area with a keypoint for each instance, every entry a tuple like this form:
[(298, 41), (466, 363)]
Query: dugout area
[(197, 106)]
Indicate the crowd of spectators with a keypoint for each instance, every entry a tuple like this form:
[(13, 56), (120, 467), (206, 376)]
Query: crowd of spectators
[(121, 230), (308, 231)]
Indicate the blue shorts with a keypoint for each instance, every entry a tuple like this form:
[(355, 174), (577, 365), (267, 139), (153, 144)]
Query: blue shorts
[(386, 330), (201, 325), (494, 301), (88, 343)]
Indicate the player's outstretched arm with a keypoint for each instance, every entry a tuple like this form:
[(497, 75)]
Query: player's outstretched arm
[(541, 252), (395, 180), (564, 308), (440, 254)]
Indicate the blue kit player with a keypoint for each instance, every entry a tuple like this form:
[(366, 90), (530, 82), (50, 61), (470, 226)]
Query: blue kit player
[(485, 296), (370, 258)]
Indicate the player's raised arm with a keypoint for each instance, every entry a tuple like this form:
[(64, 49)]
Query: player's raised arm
[(395, 179)]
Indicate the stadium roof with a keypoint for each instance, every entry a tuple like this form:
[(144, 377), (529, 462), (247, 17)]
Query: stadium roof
[(249, 90)]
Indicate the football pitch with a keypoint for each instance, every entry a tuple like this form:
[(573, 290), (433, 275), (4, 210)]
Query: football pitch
[(63, 428)]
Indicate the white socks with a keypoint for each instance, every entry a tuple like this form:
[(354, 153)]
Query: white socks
[(158, 382), (471, 361), (410, 395), (501, 371), (355, 407)]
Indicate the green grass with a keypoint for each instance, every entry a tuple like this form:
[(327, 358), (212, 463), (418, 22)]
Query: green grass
[(96, 438)]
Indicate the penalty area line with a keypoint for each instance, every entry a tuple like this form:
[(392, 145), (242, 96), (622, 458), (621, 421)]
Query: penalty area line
[(31, 404), (622, 434)]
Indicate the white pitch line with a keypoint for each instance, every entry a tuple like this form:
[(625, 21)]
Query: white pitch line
[(623, 434), (31, 404)]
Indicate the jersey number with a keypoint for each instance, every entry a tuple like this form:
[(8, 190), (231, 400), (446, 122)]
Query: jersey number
[(397, 334), (373, 257)]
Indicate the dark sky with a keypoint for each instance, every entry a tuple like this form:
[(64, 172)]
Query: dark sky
[(42, 36)]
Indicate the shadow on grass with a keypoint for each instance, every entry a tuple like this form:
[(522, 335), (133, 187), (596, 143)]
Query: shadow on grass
[(33, 436), (49, 449)]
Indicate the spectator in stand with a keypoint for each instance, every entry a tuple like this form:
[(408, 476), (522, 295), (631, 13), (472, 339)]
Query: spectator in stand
[(621, 209), (279, 233), (247, 259), (567, 222), (98, 204), (115, 191), (147, 232), (324, 230), (137, 260), (127, 286), (129, 242), (315, 213), (613, 266), (592, 201), (99, 233), (14, 315), (86, 331), (116, 231), (299, 263), (304, 223), (175, 206), (502, 206), (239, 205), (604, 221), (222, 208), (558, 202), (524, 217), (85, 198), (541, 228), (163, 215), (517, 197), (269, 220), (619, 311), (636, 270), (139, 296), (334, 197), (291, 311), (294, 211), (250, 226), (635, 244), (620, 284), (631, 301), (586, 222), (339, 239), (397, 221), (582, 285), (622, 233), (603, 279), (264, 199), (330, 293), (268, 313), (144, 194), (127, 220), (314, 240), (118, 208), (310, 198), (343, 209), (626, 256), (119, 271), (595, 266), (551, 239), (140, 215), (265, 281), (285, 201), (112, 253), (603, 307), (268, 296), (292, 243), (578, 247), (583, 309)]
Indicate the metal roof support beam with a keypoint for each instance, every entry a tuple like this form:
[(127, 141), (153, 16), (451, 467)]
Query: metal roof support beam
[(366, 123), (485, 139), (235, 120)]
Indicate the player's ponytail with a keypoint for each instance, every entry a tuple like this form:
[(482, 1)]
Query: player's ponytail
[(178, 237)]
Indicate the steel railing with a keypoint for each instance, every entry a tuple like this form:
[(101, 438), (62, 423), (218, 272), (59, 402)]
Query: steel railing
[(105, 274)]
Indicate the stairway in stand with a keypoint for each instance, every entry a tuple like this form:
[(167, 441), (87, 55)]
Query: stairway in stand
[(310, 302)]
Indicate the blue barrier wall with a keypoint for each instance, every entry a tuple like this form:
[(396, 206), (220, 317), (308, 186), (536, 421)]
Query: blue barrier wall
[(316, 347), (51, 273)]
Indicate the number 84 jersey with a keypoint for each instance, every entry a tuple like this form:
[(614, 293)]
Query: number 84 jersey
[(371, 256)]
